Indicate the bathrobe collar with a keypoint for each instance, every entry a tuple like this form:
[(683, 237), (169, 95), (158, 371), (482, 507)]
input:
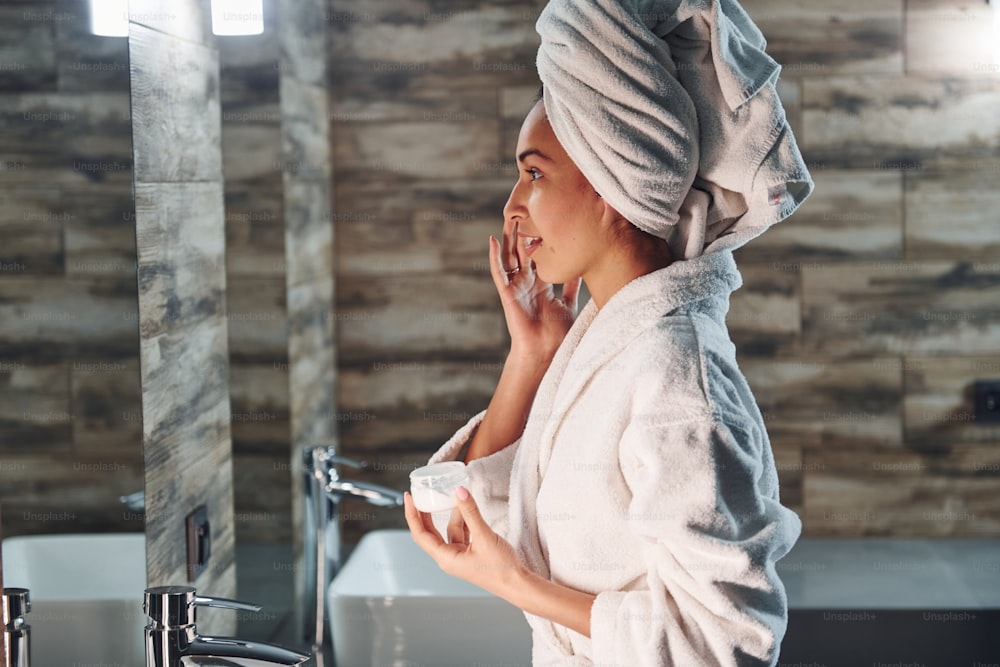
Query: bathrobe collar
[(701, 284)]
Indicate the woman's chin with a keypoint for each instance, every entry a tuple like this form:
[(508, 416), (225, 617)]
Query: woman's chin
[(546, 274), (543, 274)]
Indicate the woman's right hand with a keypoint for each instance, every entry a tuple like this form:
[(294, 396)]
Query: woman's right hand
[(537, 322), (536, 319)]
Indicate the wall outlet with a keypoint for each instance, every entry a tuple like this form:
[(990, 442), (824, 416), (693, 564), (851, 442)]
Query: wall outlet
[(987, 400), (199, 542)]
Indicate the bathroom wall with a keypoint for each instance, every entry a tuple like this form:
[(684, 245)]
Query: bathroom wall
[(863, 321), (868, 317), (862, 324), (70, 412), (180, 232)]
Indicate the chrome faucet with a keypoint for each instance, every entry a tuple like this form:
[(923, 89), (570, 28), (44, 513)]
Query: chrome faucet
[(173, 641), (16, 646), (323, 549)]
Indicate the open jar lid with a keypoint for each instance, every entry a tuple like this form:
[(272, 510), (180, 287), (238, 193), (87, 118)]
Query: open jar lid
[(448, 473)]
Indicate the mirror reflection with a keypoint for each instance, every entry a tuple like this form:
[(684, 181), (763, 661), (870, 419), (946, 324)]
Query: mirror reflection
[(70, 410)]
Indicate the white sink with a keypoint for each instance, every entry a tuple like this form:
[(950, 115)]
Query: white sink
[(391, 605), (86, 596)]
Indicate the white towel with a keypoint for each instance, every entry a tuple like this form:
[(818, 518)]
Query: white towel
[(669, 109)]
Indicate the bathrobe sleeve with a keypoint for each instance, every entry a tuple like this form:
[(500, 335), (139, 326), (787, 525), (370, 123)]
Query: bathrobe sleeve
[(489, 476), (708, 509)]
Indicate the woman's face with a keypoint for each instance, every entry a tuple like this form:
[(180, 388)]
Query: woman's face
[(563, 225)]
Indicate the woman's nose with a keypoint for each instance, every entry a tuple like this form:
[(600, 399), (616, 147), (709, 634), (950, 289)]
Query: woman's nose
[(515, 203)]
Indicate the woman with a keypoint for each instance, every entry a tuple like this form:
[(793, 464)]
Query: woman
[(623, 490)]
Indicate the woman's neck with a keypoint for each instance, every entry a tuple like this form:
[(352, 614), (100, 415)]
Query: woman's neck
[(634, 260)]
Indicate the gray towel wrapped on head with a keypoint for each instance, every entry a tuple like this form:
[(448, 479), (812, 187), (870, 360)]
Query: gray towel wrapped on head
[(668, 107)]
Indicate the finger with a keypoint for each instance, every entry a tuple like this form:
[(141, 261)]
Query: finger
[(515, 259), (505, 249), (470, 511), (413, 516), (531, 280), (497, 270), (425, 536), (456, 528), (571, 292)]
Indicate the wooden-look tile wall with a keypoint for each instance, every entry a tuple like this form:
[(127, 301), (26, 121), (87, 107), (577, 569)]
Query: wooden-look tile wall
[(862, 323), (892, 266), (863, 320), (180, 238), (70, 411)]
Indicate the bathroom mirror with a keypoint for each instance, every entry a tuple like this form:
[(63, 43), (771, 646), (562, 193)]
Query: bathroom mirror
[(70, 400), (70, 410), (71, 413), (72, 423)]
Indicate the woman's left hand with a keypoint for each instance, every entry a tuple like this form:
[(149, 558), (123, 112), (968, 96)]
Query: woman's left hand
[(475, 552)]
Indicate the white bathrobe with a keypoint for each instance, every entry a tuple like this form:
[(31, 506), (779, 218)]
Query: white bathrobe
[(645, 476)]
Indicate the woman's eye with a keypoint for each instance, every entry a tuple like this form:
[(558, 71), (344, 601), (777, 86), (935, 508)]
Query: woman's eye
[(534, 173)]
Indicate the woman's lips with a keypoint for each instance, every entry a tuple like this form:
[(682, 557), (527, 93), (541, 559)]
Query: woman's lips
[(531, 243)]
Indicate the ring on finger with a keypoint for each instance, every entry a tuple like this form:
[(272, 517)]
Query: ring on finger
[(511, 272)]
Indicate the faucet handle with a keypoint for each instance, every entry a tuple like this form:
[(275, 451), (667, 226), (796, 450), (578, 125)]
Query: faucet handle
[(225, 603), (344, 460), (326, 454), (135, 501), (172, 607)]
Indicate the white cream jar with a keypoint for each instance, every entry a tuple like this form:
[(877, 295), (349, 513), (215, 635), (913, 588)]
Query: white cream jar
[(433, 486)]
